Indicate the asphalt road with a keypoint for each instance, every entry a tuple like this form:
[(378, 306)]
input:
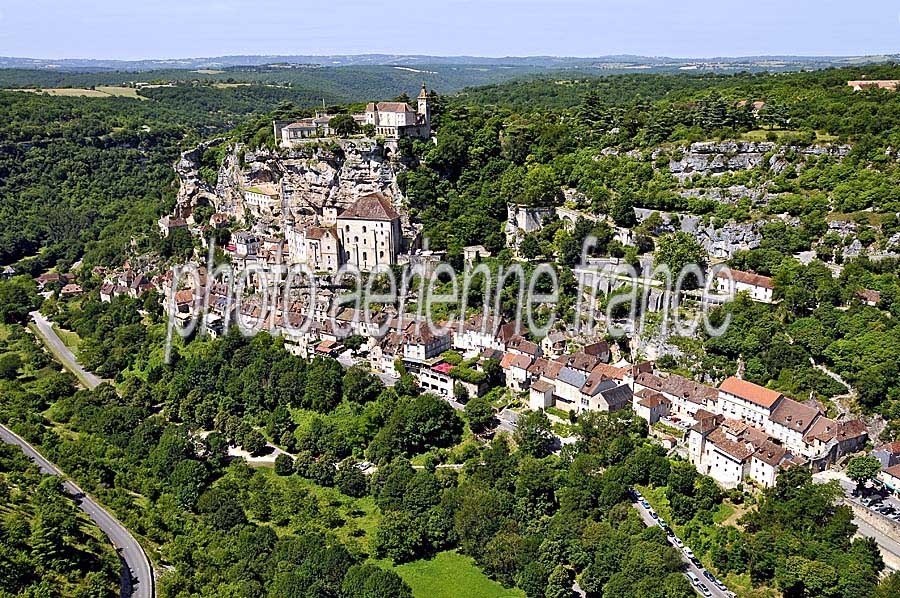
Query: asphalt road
[(59, 349), (137, 573), (698, 571), (139, 584)]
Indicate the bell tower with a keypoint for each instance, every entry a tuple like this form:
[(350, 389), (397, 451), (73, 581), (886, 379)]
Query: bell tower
[(424, 108)]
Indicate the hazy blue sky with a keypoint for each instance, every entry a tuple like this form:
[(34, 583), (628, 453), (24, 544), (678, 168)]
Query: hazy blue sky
[(132, 29)]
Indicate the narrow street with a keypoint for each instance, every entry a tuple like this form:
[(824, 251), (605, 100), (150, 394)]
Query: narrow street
[(691, 567)]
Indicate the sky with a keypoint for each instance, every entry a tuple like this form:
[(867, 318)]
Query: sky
[(144, 29)]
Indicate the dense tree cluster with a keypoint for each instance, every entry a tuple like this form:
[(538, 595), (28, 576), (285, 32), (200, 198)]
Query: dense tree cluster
[(47, 548)]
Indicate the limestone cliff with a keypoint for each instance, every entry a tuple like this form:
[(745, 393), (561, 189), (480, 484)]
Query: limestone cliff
[(307, 178)]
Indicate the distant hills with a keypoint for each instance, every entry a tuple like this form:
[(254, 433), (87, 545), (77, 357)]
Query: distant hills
[(601, 63)]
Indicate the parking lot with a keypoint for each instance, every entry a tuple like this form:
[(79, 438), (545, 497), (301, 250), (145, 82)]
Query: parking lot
[(703, 581)]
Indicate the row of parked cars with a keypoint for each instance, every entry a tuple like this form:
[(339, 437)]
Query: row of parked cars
[(877, 504), (688, 553)]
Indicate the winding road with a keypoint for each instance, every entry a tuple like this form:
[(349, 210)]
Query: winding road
[(137, 572), (62, 352)]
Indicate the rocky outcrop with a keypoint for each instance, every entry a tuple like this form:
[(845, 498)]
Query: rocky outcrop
[(308, 178), (711, 158), (192, 188), (728, 195), (720, 243)]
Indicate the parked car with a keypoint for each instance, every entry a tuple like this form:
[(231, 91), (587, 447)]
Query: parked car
[(697, 562), (677, 543), (645, 504), (637, 493), (688, 552), (709, 576), (693, 578), (704, 590), (653, 514)]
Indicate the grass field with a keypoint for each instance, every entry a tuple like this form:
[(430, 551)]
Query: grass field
[(451, 575), (101, 91), (70, 339)]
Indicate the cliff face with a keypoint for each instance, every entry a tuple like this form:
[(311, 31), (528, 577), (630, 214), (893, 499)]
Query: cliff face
[(192, 188), (308, 178), (713, 158)]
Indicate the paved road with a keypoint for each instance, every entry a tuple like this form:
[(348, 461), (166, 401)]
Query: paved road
[(698, 571), (135, 561), (137, 574), (59, 349)]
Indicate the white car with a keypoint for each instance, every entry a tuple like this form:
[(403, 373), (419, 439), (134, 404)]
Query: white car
[(678, 543), (688, 552)]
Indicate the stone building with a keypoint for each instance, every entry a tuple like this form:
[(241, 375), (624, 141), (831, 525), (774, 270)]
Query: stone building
[(396, 119), (370, 234)]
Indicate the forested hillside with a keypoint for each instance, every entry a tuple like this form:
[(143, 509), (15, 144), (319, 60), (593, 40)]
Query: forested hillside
[(48, 548)]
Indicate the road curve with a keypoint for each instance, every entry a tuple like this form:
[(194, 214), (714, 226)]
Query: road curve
[(62, 352), (140, 583)]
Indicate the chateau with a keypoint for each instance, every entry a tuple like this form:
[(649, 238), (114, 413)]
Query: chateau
[(392, 120)]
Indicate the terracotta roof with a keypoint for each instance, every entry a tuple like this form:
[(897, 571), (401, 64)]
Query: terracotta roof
[(702, 414), (389, 107), (751, 278), (595, 383), (891, 447), (598, 348), (869, 295), (893, 471), (651, 399), (521, 361), (794, 415), (542, 386), (770, 453), (678, 386), (579, 361), (748, 391), (520, 343), (737, 450), (610, 371), (708, 424), (185, 296), (71, 289), (374, 206), (318, 232), (507, 360), (544, 368)]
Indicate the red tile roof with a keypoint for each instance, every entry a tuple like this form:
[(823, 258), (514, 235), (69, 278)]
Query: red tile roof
[(748, 391), (751, 278), (374, 206)]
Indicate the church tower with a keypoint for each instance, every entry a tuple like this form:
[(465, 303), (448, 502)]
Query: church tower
[(424, 108)]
